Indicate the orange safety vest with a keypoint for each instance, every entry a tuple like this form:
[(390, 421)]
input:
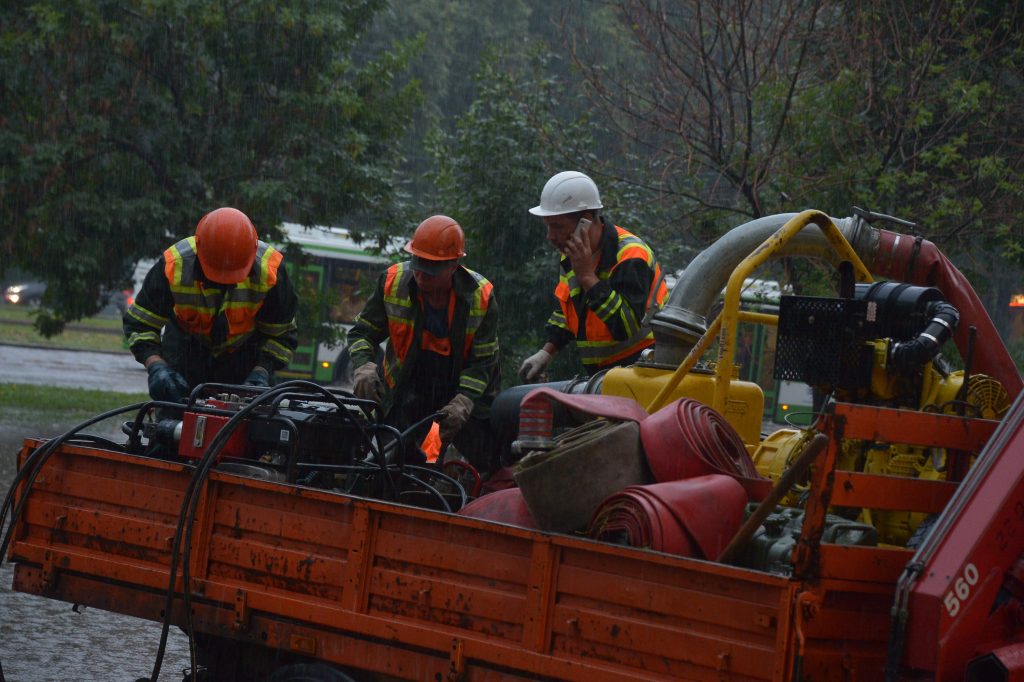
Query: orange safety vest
[(196, 304), (399, 305), (597, 347)]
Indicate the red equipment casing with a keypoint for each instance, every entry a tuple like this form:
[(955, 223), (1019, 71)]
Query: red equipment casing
[(199, 430)]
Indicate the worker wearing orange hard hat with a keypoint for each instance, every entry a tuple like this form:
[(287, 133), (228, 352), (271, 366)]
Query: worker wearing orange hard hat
[(218, 307), (440, 322)]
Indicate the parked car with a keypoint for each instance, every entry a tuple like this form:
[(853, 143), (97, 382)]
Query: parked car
[(31, 294), (26, 293)]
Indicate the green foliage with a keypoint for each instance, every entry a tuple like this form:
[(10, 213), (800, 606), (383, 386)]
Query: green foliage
[(126, 120), (515, 135)]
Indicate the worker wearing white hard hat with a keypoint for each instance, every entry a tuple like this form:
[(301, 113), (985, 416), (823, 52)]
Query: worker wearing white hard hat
[(609, 284)]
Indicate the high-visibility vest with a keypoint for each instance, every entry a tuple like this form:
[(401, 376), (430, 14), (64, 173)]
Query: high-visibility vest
[(401, 312), (197, 304), (597, 347)]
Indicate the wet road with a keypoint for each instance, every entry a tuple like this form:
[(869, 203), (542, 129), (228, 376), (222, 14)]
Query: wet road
[(42, 640), (74, 369)]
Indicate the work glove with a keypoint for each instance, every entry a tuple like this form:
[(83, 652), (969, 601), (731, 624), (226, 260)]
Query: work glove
[(258, 377), (454, 416), (532, 369), (166, 383), (366, 383)]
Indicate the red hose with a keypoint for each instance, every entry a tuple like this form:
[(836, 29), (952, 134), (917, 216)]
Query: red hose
[(687, 438), (696, 517), (503, 506), (905, 259)]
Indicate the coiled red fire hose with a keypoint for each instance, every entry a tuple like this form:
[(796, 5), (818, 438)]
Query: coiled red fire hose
[(503, 506), (695, 517), (686, 438)]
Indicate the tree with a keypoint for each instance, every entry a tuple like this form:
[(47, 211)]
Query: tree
[(751, 108), (457, 36), (938, 129), (692, 95), (909, 108), (125, 121), (516, 134)]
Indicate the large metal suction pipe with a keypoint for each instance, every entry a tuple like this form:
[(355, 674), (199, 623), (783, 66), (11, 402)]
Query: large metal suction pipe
[(683, 320)]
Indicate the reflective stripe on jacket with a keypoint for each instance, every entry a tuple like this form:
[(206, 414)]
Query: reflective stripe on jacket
[(401, 314), (597, 345), (197, 304)]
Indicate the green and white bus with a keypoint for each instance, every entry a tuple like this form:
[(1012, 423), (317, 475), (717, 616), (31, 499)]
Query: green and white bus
[(342, 273)]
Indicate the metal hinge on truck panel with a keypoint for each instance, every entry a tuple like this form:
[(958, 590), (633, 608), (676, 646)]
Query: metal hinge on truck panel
[(456, 662), (241, 623)]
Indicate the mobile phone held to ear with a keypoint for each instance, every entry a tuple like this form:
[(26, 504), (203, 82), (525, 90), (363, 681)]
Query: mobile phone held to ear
[(581, 228)]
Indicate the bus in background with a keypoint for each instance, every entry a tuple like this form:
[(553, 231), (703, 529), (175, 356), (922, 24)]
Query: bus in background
[(341, 273)]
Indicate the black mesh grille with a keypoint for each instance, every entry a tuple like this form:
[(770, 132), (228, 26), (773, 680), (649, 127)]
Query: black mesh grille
[(821, 341)]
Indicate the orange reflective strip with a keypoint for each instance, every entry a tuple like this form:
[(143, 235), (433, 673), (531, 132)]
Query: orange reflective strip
[(273, 263), (441, 346), (431, 445), (562, 293), (399, 331)]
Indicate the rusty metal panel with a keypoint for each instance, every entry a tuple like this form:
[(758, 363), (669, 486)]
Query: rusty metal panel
[(880, 566), (447, 574), (298, 548), (877, 491), (397, 590), (845, 631), (696, 621), (88, 506)]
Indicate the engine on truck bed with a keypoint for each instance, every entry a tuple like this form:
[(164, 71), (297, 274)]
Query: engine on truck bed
[(295, 433), (882, 347)]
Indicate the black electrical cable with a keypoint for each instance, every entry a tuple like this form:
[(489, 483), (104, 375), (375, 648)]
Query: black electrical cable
[(90, 439), (34, 464), (187, 517), (401, 443), (136, 428), (374, 408), (431, 489), (463, 498), (364, 466)]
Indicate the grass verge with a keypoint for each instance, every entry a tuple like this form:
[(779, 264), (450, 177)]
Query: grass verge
[(47, 406), (94, 333)]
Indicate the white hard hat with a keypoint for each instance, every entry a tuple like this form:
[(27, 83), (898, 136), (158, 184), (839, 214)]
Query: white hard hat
[(567, 192)]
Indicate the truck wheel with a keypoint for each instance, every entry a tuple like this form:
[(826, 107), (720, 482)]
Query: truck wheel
[(309, 672)]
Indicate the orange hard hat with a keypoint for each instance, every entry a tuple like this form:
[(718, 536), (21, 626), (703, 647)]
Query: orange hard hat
[(226, 245), (437, 238)]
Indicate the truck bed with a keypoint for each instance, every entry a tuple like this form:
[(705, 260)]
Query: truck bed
[(418, 594)]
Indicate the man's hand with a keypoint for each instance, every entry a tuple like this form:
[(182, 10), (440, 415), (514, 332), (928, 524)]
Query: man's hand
[(532, 369), (366, 383), (259, 377), (454, 416), (166, 383), (577, 250)]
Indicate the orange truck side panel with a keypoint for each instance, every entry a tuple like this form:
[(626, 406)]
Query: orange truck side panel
[(414, 593)]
